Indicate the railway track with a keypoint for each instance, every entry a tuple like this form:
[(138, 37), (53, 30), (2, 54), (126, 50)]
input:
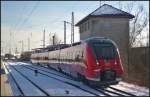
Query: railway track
[(117, 92), (66, 82), (134, 89), (16, 83), (100, 90), (47, 94), (59, 80), (129, 94), (109, 91), (19, 87), (67, 75), (36, 68), (112, 91)]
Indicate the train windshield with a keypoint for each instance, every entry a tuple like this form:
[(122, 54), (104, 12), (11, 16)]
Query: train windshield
[(104, 51)]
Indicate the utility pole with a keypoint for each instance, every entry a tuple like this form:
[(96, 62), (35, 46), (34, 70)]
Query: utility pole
[(100, 3), (71, 32), (50, 38), (64, 32), (71, 29), (29, 44), (22, 45), (10, 44), (53, 39), (31, 40), (147, 38), (1, 50), (44, 38), (72, 24), (16, 51)]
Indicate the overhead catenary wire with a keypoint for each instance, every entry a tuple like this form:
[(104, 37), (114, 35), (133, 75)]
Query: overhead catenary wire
[(29, 15), (20, 18), (13, 27)]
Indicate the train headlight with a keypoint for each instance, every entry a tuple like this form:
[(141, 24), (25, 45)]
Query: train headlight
[(97, 62), (118, 79), (115, 62)]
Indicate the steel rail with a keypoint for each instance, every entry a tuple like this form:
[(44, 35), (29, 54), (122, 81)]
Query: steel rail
[(68, 83), (122, 91), (100, 89), (47, 71), (21, 91), (47, 94)]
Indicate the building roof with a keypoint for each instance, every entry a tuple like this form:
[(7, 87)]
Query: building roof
[(107, 11)]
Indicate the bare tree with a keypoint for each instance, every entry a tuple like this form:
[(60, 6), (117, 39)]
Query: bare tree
[(120, 5), (138, 23), (55, 39), (147, 44)]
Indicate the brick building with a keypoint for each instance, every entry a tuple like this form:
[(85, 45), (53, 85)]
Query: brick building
[(110, 22)]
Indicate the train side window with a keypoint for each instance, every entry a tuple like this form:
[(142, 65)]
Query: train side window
[(82, 54), (62, 57), (50, 56), (68, 57), (38, 58), (73, 56), (77, 58), (46, 58), (65, 57)]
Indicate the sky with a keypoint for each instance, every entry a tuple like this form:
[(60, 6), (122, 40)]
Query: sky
[(28, 19)]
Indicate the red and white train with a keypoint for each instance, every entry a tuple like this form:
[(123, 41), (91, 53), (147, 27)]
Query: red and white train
[(95, 60)]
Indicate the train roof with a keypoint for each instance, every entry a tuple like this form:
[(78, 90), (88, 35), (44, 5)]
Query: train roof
[(62, 46), (96, 38), (100, 39), (58, 46)]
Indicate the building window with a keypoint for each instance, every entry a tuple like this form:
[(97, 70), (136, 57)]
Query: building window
[(107, 25), (88, 24), (81, 28), (85, 26), (94, 23)]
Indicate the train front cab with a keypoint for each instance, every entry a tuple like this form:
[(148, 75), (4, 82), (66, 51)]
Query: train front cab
[(103, 62)]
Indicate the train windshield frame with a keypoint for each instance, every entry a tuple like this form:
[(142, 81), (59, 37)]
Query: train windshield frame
[(104, 51)]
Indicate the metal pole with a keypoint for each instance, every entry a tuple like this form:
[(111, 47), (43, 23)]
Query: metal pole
[(49, 38), (64, 32), (28, 44), (31, 40), (71, 33), (22, 45), (73, 27), (44, 38), (100, 3), (10, 44), (16, 51), (53, 39), (147, 38)]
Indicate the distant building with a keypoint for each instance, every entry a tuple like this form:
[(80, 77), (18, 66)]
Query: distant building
[(110, 22)]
